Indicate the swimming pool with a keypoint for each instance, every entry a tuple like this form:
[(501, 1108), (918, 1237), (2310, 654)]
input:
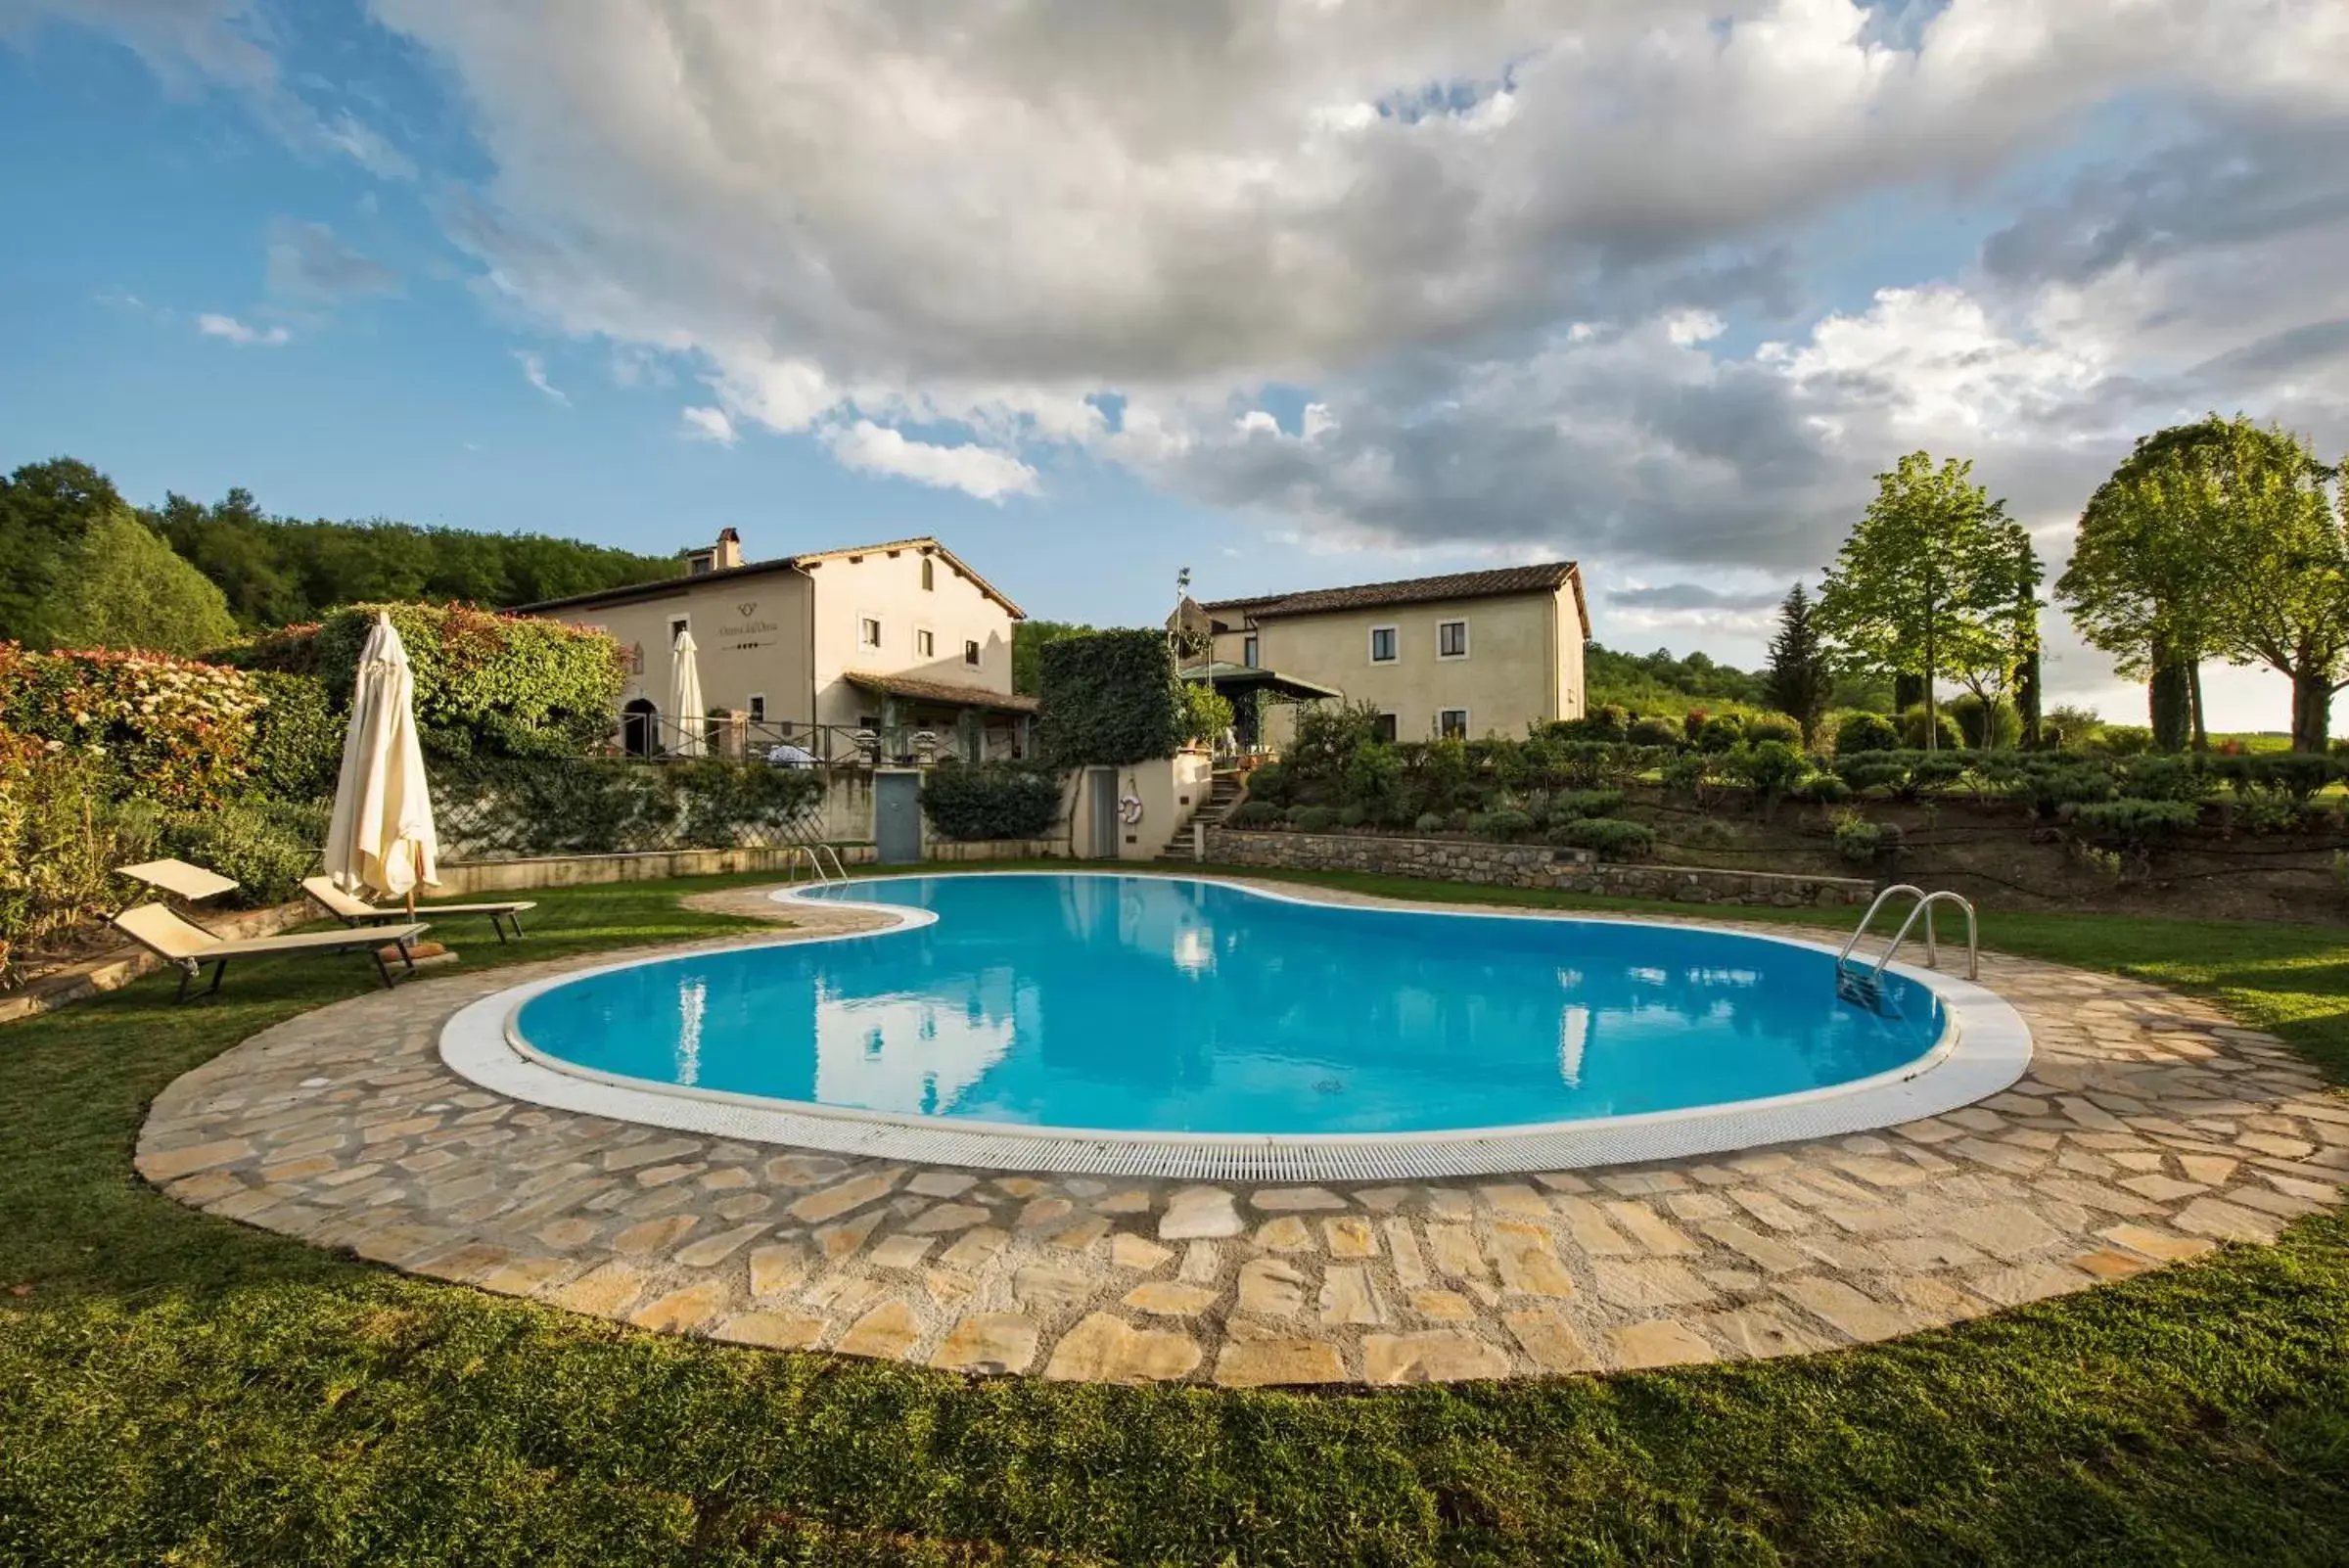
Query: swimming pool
[(1098, 1021)]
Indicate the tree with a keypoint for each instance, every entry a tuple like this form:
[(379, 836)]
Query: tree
[(2264, 506), (1921, 585), (45, 509), (1028, 640), (1801, 679), (122, 587), (2142, 585), (2007, 655)]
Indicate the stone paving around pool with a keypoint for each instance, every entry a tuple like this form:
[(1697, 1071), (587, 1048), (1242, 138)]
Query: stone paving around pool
[(2149, 1130)]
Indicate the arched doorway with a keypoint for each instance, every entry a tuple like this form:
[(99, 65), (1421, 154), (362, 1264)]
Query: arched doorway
[(641, 728)]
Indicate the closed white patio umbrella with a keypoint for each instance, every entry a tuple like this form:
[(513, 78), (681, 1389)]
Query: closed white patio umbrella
[(381, 837), (685, 698)]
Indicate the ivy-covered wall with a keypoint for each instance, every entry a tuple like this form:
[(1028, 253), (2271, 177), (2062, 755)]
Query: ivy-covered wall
[(1108, 699)]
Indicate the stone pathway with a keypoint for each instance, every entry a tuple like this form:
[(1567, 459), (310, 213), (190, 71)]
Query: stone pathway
[(2149, 1130)]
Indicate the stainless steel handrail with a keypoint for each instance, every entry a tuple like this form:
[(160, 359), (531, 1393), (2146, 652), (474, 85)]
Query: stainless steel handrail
[(1923, 906)]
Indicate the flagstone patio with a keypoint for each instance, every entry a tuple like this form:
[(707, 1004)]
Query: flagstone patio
[(2149, 1130)]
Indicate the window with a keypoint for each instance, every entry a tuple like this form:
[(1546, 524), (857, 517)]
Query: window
[(1451, 639), (925, 643), (1383, 727), (697, 563), (677, 629), (1248, 650), (1382, 645), (929, 576), (1452, 723), (868, 633), (969, 653), (758, 708)]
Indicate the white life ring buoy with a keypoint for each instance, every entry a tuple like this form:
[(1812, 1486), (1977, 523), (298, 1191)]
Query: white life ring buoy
[(1129, 809)]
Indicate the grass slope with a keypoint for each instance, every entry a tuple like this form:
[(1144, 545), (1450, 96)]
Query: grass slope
[(176, 1388)]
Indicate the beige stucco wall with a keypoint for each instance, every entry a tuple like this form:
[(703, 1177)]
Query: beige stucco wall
[(886, 586), (1171, 789), (752, 633), (1524, 662)]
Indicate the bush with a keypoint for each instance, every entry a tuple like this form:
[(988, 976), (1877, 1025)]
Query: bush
[(1256, 814), (1312, 819), (265, 846), (1326, 737), (1867, 732), (1858, 839), (2263, 815), (2297, 774), (1688, 774), (56, 847), (1586, 802), (1944, 729), (1653, 732), (1428, 822), (2167, 778), (1269, 782), (967, 800), (1107, 698), (1605, 722), (1351, 817), (1372, 779), (1984, 727), (1610, 837), (487, 685), (1206, 715), (169, 730), (2121, 740), (1720, 735), (1773, 728), (1822, 789), (2134, 824), (1771, 769), (298, 739), (1504, 825)]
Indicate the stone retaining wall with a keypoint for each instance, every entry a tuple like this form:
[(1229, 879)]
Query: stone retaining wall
[(1528, 865)]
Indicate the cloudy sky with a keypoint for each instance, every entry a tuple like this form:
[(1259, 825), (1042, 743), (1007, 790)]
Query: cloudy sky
[(1291, 292)]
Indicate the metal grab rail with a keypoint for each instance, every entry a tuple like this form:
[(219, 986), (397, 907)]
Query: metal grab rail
[(813, 855), (1873, 983)]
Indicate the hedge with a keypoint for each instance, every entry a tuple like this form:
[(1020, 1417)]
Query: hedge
[(966, 801), (167, 730), (1107, 700)]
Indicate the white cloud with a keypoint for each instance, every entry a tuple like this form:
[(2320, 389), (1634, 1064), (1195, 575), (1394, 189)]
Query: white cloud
[(237, 332), (534, 371), (974, 470), (708, 425)]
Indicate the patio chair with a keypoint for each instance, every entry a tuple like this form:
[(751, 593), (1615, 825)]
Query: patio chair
[(351, 909), (188, 946)]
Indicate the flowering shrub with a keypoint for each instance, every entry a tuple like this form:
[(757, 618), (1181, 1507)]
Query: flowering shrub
[(170, 730), (55, 844)]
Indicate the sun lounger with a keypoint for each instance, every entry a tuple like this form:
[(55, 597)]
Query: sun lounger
[(178, 878), (352, 910), (189, 946)]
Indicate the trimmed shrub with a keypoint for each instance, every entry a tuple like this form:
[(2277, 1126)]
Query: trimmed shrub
[(2167, 778), (1429, 822), (1269, 782), (2121, 740), (1256, 814), (2262, 815), (1867, 732), (1948, 737), (1107, 698), (1610, 837), (1605, 722), (1586, 802), (2134, 824), (1504, 825), (487, 684), (1771, 769), (1653, 732), (298, 739), (966, 801), (1985, 728), (1822, 789), (1858, 839), (1773, 728), (1719, 734), (1312, 819), (1351, 817)]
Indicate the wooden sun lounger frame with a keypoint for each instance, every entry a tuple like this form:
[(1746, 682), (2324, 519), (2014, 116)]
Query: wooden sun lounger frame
[(351, 909)]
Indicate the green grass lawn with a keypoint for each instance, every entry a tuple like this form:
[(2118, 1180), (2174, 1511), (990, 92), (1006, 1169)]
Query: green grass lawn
[(179, 1389)]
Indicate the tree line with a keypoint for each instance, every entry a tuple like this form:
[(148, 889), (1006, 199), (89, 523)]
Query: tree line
[(86, 568), (2219, 539)]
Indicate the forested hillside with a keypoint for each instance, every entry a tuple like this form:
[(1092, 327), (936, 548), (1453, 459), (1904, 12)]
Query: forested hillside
[(80, 566)]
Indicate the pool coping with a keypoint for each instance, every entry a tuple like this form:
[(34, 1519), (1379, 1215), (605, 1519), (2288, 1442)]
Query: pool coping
[(1985, 1049)]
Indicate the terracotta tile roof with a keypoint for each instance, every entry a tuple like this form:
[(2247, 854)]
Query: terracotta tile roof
[(665, 586), (1546, 577), (938, 691)]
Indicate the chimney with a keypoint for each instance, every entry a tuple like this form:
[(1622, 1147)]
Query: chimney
[(728, 553)]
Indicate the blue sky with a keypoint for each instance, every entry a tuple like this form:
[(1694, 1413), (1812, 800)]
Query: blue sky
[(1659, 292)]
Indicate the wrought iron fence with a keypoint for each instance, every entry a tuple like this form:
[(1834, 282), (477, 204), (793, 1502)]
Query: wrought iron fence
[(657, 738), (514, 808)]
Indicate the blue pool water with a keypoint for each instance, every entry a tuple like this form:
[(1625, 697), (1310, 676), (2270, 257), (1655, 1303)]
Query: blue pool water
[(1164, 1005)]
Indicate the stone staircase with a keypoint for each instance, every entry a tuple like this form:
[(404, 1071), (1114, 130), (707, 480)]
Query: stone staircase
[(1223, 795)]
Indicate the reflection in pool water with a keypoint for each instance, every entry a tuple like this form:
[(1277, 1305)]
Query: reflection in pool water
[(1150, 1003)]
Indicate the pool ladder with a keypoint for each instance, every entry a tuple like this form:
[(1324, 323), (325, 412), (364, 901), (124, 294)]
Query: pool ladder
[(812, 856), (1865, 987)]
